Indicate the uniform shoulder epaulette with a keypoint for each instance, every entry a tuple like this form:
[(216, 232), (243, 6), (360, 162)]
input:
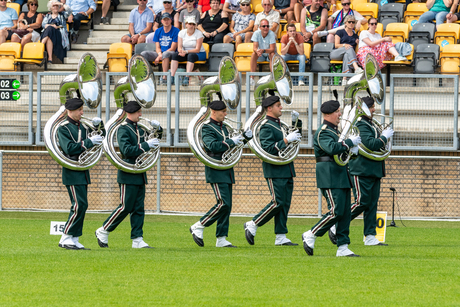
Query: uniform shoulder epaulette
[(359, 118), (323, 127), (64, 123), (123, 123), (207, 121)]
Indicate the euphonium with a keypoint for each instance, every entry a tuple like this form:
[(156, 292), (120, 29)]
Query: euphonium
[(87, 84), (280, 81), (383, 152), (141, 83), (228, 84)]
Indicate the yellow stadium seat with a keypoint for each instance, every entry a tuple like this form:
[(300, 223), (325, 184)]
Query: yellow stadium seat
[(450, 59), (118, 57), (15, 6), (367, 9), (414, 11), (242, 56), (398, 31), (33, 53), (8, 53), (447, 33), (354, 2), (338, 6)]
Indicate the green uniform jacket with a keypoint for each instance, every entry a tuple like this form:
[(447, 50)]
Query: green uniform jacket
[(216, 142), (371, 138), (329, 175), (131, 142), (72, 146), (272, 141)]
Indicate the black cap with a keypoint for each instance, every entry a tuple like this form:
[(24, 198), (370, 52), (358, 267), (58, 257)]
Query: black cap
[(131, 107), (270, 100), (217, 105), (330, 106), (73, 104), (166, 15), (369, 101)]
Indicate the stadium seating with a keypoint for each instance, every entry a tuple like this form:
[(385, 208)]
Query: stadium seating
[(399, 32), (450, 59), (306, 51), (144, 47), (15, 6), (414, 11), (33, 53), (422, 33), (367, 9), (447, 33), (8, 53), (320, 57), (118, 57), (391, 13), (426, 58), (242, 56), (217, 52)]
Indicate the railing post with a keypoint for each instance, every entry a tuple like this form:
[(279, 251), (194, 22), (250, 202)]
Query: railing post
[(1, 178), (159, 184)]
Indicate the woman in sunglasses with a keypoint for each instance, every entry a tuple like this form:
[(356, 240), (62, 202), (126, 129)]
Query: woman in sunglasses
[(205, 5), (242, 25), (381, 48), (34, 22), (337, 20), (55, 36), (189, 10), (214, 24)]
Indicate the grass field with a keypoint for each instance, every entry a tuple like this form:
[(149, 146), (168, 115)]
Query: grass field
[(420, 267)]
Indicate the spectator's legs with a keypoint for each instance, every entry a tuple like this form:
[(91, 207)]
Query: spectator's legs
[(150, 56), (228, 40), (393, 51), (76, 26), (15, 39), (174, 66), (270, 59), (290, 17), (254, 58), (238, 40), (49, 47), (297, 11), (302, 59), (247, 37), (359, 24), (453, 19), (316, 39), (427, 17), (141, 39), (26, 39), (440, 18), (330, 38), (3, 36), (105, 10), (126, 39), (219, 38), (330, 22)]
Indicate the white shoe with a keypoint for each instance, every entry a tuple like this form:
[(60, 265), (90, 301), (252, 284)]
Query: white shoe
[(343, 251), (222, 242), (400, 58), (67, 242), (251, 82), (301, 83), (358, 70), (78, 244), (372, 240), (250, 229), (308, 239), (322, 33), (197, 230), (139, 243), (282, 240), (102, 237)]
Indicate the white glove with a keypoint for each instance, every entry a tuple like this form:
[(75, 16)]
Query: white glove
[(356, 139), (155, 124), (354, 150), (153, 143), (96, 121), (388, 133), (248, 133), (96, 140), (294, 115), (237, 139), (293, 136)]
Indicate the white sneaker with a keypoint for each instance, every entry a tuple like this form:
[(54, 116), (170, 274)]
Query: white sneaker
[(301, 83), (250, 229), (343, 251), (222, 242), (308, 239), (282, 240), (67, 242), (102, 237), (358, 70), (400, 58), (251, 82), (372, 240), (139, 243), (78, 244), (197, 230), (322, 33)]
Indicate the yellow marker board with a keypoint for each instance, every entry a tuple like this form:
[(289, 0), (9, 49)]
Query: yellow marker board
[(381, 228)]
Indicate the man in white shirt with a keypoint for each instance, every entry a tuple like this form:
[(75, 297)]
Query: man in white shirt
[(272, 16)]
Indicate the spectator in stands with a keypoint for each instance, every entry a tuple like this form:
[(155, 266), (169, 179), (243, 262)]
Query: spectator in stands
[(268, 13), (8, 21), (34, 21), (181, 5), (105, 10), (81, 9), (287, 9), (140, 24), (168, 9), (346, 41), (190, 48), (292, 48), (165, 40), (242, 25), (189, 10), (231, 7), (438, 9), (337, 20), (328, 5), (381, 48), (205, 5), (452, 16), (156, 6), (314, 20), (55, 35), (264, 46), (214, 24)]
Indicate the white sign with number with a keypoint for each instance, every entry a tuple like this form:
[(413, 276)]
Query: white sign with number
[(57, 228)]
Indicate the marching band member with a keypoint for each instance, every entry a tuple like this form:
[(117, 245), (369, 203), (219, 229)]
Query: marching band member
[(216, 141), (74, 140), (333, 180), (132, 186), (279, 177), (366, 175)]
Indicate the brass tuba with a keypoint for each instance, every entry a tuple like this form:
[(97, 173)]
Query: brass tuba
[(280, 81), (141, 83), (86, 84), (227, 84)]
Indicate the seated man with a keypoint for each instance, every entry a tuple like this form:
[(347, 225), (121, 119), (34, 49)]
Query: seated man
[(168, 9), (287, 9), (8, 22), (314, 20), (140, 24), (264, 46), (81, 9), (272, 16), (292, 48), (165, 40)]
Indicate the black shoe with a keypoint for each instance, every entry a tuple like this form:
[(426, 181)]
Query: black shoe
[(307, 249), (332, 237), (288, 244), (148, 247), (381, 244), (249, 236), (74, 38), (101, 244), (230, 246), (83, 248), (352, 255), (197, 240), (68, 246)]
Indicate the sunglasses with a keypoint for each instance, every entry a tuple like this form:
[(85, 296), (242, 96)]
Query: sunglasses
[(190, 1), (245, 4), (266, 26), (33, 4), (372, 23), (266, 4), (345, 3), (350, 21)]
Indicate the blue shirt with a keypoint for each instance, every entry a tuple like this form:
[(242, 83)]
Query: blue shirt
[(140, 20), (7, 17), (78, 6), (165, 39), (264, 42)]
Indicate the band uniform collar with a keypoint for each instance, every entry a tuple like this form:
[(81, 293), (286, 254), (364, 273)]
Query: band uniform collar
[(273, 119), (331, 125), (72, 121), (368, 119), (131, 122), (215, 122)]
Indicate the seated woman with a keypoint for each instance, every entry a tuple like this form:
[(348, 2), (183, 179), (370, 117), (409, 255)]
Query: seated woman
[(346, 41), (34, 24), (242, 25), (189, 48), (438, 10), (55, 35), (232, 6), (214, 24), (337, 20), (381, 48)]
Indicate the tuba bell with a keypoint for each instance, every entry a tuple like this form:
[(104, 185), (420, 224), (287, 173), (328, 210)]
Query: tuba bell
[(227, 84), (140, 82), (280, 81), (86, 84)]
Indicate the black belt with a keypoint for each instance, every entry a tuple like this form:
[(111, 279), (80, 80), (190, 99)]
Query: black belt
[(325, 159), (214, 155), (74, 158)]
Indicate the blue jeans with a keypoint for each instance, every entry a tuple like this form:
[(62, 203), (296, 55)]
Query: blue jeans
[(298, 57), (430, 15)]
